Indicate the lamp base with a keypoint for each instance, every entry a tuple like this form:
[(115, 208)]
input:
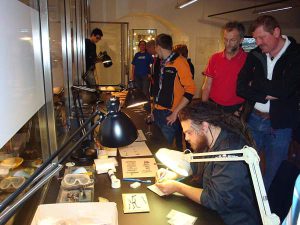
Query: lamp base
[(85, 153)]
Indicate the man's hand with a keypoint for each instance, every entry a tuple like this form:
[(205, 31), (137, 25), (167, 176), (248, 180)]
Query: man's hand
[(172, 118), (168, 187), (165, 174), (269, 97)]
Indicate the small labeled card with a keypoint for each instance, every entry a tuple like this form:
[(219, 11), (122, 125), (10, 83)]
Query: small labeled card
[(135, 202), (139, 167)]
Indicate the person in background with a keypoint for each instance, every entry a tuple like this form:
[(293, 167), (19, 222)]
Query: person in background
[(174, 89), (225, 187), (141, 68), (154, 71), (91, 56), (222, 71), (270, 81), (183, 51), (154, 67), (150, 48)]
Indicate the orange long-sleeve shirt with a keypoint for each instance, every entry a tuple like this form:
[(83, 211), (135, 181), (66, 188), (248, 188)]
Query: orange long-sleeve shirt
[(177, 83)]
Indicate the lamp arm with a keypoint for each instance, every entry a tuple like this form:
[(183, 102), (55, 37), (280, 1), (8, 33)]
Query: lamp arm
[(83, 88), (40, 169), (250, 156), (69, 151)]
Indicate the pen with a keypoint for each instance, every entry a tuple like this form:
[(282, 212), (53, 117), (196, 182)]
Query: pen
[(163, 176), (137, 180), (180, 179)]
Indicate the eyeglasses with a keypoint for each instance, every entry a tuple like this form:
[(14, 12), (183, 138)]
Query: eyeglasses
[(73, 180), (11, 182), (98, 37)]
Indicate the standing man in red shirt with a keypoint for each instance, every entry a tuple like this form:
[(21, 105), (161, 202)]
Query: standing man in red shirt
[(223, 69)]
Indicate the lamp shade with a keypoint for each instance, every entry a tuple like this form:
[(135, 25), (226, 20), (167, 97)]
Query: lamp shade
[(116, 130), (105, 59), (174, 160), (135, 96)]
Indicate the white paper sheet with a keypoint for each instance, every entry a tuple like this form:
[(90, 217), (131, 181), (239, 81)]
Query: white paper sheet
[(156, 190), (92, 213), (135, 149), (103, 165), (178, 218), (141, 136), (110, 151), (139, 167)]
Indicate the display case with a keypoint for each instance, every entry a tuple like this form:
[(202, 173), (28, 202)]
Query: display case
[(21, 156), (26, 135)]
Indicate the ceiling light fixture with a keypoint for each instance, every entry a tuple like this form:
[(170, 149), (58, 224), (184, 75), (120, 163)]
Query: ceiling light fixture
[(272, 10), (184, 4), (250, 7)]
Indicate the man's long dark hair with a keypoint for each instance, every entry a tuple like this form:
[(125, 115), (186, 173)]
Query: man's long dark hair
[(198, 112)]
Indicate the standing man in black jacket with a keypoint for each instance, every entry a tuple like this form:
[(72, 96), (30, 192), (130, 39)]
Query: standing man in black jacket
[(91, 56), (270, 80)]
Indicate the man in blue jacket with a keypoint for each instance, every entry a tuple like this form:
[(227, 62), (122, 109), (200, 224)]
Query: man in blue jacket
[(269, 81)]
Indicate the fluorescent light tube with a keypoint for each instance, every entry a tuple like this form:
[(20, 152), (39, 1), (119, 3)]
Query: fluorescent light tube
[(182, 5), (273, 10)]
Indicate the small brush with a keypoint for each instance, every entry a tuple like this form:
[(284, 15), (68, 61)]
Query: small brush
[(137, 180)]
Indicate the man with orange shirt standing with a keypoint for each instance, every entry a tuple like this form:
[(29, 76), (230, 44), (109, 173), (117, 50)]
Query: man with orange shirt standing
[(223, 69), (175, 88)]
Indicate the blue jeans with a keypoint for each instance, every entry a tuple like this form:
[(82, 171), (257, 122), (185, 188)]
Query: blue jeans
[(169, 131), (273, 142), (143, 84)]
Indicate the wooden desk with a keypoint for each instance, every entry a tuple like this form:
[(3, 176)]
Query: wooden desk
[(159, 206)]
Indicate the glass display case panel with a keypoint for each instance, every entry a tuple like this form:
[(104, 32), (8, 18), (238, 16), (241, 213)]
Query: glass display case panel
[(21, 79), (56, 27)]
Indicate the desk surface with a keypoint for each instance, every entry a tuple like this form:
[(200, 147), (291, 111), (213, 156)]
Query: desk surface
[(159, 206)]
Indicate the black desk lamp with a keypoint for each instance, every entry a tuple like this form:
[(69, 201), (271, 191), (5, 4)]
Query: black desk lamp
[(135, 96), (116, 130)]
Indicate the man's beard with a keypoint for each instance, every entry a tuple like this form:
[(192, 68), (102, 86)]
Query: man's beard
[(233, 50), (201, 145)]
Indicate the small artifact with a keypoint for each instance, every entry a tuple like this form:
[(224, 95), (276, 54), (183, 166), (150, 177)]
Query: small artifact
[(12, 162)]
